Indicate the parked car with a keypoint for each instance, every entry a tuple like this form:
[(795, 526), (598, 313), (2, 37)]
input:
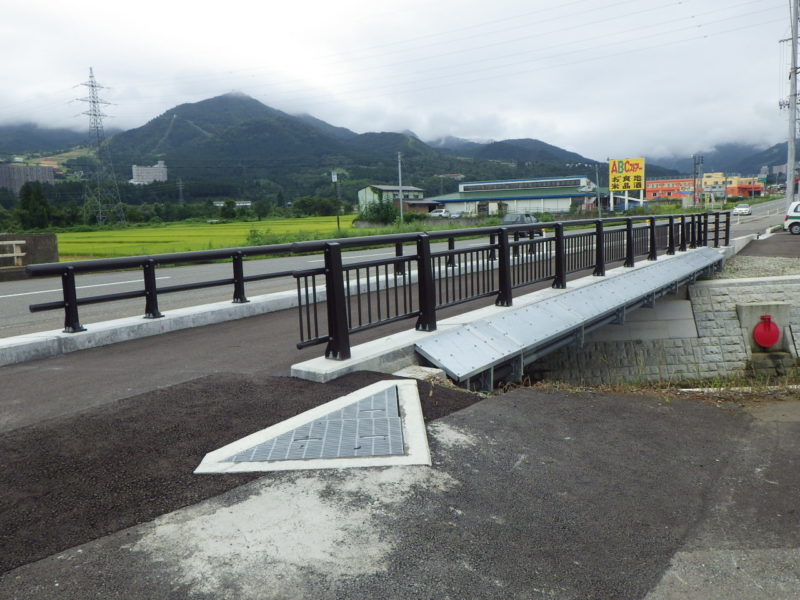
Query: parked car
[(791, 222), (439, 213), (520, 219), (742, 209)]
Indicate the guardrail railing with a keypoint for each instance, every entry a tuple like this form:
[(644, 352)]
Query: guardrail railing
[(16, 253), (372, 293)]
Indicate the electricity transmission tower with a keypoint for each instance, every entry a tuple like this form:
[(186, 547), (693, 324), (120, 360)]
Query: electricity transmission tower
[(101, 199)]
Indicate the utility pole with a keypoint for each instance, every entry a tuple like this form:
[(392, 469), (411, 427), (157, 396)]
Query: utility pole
[(697, 163), (790, 154), (335, 180), (597, 177), (400, 182)]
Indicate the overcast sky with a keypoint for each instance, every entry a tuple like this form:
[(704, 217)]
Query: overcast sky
[(599, 77)]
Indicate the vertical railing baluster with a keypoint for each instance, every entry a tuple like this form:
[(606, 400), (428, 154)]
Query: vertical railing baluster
[(716, 229), (693, 232), (399, 267), (653, 253), (451, 245)]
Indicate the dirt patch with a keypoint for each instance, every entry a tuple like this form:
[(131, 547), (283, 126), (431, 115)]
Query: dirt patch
[(70, 480)]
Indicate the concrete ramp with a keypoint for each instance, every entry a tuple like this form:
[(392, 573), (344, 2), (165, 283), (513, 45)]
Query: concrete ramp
[(502, 345)]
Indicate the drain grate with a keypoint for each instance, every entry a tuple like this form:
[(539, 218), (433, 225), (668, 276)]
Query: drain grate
[(368, 427)]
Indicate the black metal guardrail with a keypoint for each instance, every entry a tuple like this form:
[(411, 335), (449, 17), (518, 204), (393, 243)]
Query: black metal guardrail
[(368, 294)]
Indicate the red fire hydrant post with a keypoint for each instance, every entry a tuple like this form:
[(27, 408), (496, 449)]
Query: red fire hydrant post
[(766, 334)]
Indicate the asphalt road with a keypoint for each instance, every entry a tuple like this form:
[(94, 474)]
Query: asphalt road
[(16, 296)]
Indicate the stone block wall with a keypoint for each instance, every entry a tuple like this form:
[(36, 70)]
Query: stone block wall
[(720, 349)]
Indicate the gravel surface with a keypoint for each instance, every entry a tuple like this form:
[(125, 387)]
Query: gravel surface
[(742, 267)]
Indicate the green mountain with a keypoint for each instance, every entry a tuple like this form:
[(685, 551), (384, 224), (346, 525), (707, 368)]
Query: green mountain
[(234, 145)]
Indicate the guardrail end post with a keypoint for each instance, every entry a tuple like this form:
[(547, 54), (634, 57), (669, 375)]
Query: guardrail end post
[(653, 251), (238, 279), (150, 291), (338, 347), (599, 249), (504, 293), (560, 279), (427, 293), (72, 323), (629, 258)]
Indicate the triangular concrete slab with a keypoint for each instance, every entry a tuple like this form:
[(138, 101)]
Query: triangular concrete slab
[(379, 425)]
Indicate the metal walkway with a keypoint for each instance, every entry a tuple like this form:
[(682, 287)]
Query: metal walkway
[(504, 344)]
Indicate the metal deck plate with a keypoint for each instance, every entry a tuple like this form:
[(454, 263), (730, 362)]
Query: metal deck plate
[(478, 346), (379, 425), (368, 427)]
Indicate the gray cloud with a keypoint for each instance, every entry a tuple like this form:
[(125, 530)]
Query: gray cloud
[(600, 77)]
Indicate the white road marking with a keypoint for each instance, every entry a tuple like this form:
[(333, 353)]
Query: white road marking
[(80, 287), (349, 256)]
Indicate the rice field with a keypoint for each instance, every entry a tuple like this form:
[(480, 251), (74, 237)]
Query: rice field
[(186, 237)]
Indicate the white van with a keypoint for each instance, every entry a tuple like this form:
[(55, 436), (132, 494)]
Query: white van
[(791, 222)]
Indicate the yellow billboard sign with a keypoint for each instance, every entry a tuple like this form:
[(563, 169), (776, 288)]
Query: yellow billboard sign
[(626, 174)]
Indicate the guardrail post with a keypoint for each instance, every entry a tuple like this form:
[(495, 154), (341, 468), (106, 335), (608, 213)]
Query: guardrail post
[(150, 291), (716, 229), (72, 323), (238, 279), (427, 293), (451, 245), (504, 271), (492, 243), (338, 347), (560, 280), (599, 249), (682, 247), (671, 236), (693, 232), (399, 267), (727, 228), (629, 259), (653, 253)]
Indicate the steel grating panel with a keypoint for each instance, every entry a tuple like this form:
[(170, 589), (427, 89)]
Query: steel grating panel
[(479, 346), (370, 426)]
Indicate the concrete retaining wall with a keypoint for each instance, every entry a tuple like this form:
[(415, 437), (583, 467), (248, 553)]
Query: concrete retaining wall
[(720, 349)]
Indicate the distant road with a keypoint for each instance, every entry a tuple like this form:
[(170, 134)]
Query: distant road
[(16, 296)]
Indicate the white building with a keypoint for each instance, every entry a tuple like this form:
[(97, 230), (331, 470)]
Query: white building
[(550, 194), (388, 193), (145, 175)]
